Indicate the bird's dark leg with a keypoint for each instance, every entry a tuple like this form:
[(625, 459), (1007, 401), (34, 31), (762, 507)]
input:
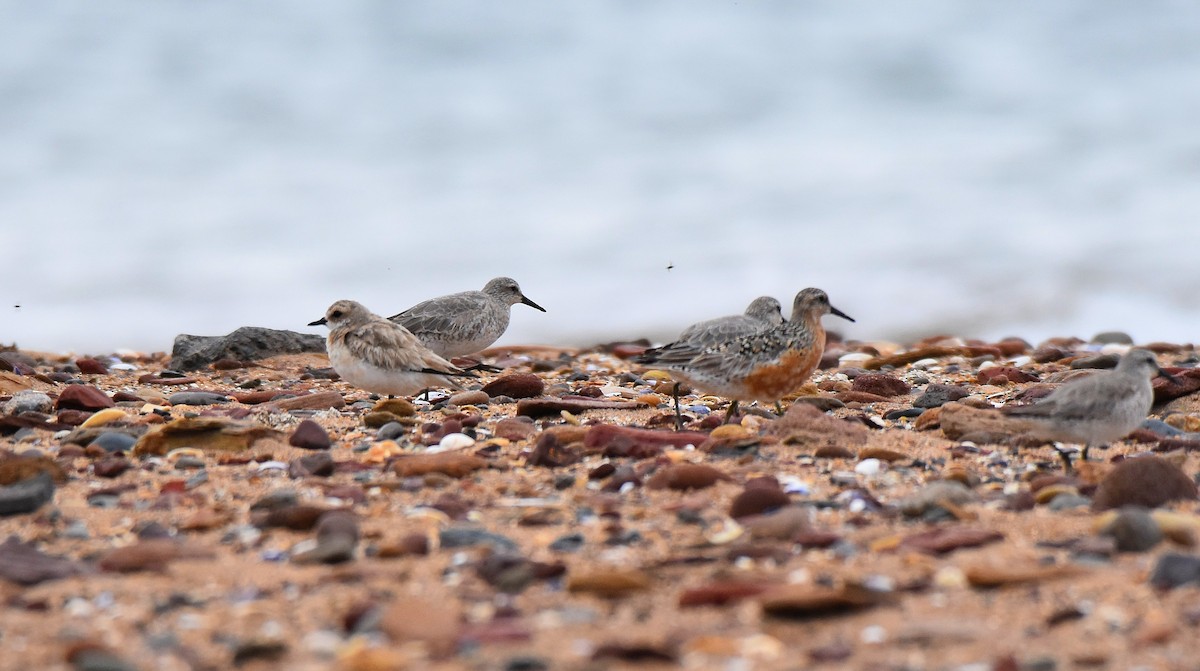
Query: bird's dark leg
[(779, 408), (424, 395), (1065, 456), (731, 412), (1083, 456), (678, 415)]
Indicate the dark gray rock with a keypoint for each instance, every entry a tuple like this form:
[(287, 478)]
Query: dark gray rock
[(392, 431), (461, 537), (1134, 530), (1174, 569), (28, 401), (937, 395), (248, 343), (26, 496), (1066, 501), (113, 441), (1096, 361), (569, 543)]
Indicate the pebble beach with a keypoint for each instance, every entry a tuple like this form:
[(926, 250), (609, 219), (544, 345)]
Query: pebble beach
[(173, 512)]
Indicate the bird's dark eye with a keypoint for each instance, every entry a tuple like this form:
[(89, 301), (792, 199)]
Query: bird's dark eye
[(336, 314)]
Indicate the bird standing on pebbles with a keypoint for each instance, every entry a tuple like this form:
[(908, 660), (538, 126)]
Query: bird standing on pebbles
[(379, 356), (763, 313), (465, 322), (759, 366), (1097, 409)]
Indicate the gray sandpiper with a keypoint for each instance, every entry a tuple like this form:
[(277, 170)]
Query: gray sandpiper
[(465, 322)]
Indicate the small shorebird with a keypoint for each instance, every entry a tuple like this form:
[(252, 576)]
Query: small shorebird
[(380, 356), (763, 313), (466, 322), (1097, 409), (761, 366)]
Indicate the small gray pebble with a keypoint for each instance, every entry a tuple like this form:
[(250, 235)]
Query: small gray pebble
[(526, 664), (1134, 530), (114, 441), (189, 463), (568, 543), (937, 395), (1068, 502), (389, 431), (104, 501), (77, 530), (564, 481), (459, 537)]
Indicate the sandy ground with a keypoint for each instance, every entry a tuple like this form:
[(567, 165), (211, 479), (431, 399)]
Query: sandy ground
[(174, 570)]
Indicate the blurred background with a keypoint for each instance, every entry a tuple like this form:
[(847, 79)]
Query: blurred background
[(981, 169)]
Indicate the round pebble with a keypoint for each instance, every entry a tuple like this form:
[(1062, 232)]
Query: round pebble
[(455, 441), (28, 401), (868, 467), (1134, 530), (390, 431), (112, 441)]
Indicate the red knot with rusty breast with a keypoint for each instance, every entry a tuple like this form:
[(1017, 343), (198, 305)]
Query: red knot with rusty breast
[(380, 356), (760, 366), (465, 322), (1098, 409)]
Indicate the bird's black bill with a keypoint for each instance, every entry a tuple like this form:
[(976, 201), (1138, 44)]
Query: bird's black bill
[(319, 322), (526, 301), (1170, 378), (841, 314)]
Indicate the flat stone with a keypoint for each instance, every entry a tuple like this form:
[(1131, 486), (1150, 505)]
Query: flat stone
[(82, 397), (26, 496), (937, 395), (23, 564), (322, 400), (28, 400), (623, 441), (216, 434), (249, 343), (197, 398), (461, 537)]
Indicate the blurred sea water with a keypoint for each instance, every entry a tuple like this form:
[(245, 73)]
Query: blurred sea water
[(982, 169)]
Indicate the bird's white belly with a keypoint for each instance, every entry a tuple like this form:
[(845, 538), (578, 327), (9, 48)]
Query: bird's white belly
[(381, 381)]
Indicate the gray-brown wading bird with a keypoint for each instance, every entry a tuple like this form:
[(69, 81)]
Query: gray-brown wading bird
[(1097, 409), (763, 366), (466, 322), (379, 356)]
